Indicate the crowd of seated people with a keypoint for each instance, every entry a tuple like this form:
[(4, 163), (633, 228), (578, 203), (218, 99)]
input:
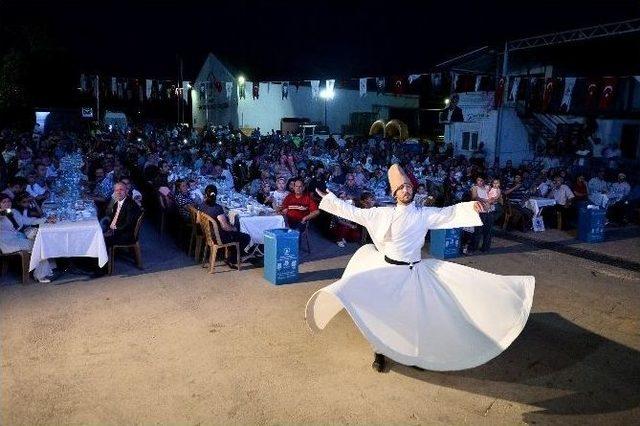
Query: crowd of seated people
[(283, 171)]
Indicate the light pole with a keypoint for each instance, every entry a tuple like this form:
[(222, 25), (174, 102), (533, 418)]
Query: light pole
[(326, 94)]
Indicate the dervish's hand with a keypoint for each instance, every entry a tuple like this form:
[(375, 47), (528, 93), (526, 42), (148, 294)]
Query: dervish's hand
[(320, 193), (478, 207)]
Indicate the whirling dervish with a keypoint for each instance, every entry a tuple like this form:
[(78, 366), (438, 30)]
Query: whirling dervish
[(427, 313)]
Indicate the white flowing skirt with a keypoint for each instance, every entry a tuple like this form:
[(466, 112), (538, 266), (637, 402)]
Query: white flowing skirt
[(437, 316)]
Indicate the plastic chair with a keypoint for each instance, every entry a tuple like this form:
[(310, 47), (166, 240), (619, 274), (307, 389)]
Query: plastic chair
[(166, 204), (214, 242), (196, 232)]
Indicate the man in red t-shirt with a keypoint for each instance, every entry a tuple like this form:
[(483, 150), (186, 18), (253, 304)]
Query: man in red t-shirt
[(299, 207)]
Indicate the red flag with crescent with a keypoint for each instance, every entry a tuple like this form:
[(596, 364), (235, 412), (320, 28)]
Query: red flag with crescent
[(549, 86), (593, 90), (398, 85), (608, 92)]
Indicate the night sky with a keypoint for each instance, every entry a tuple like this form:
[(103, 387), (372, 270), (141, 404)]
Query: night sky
[(292, 40)]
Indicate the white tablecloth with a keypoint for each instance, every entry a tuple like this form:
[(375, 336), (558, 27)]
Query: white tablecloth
[(256, 225), (536, 204), (69, 239)]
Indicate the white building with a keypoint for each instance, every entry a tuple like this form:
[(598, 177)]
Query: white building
[(480, 126), (210, 104), (518, 130)]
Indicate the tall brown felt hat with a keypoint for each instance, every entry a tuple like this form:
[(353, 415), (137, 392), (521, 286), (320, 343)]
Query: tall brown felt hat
[(397, 178)]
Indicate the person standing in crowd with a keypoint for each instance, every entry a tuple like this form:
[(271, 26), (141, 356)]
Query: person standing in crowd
[(480, 193), (299, 207), (228, 233), (495, 197)]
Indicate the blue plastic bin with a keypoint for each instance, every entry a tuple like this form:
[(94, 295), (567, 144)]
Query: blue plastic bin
[(281, 256), (445, 243), (591, 224)]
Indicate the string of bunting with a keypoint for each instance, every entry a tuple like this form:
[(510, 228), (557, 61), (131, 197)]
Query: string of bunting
[(550, 93)]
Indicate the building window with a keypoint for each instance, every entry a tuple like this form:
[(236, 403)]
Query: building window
[(469, 141)]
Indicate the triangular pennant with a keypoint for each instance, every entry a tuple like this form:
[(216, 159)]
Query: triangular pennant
[(315, 88), (329, 85), (567, 94), (380, 84), (229, 88), (436, 80), (413, 77), (363, 87), (513, 94)]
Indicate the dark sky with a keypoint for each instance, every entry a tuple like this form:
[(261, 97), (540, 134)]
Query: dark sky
[(294, 39)]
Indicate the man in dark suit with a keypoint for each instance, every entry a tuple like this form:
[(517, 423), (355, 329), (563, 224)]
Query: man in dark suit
[(122, 216)]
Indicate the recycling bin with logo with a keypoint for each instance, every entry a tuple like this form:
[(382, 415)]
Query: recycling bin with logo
[(445, 243), (591, 221), (281, 255)]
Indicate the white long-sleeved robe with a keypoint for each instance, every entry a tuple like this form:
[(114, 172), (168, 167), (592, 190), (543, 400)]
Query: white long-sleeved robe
[(436, 315)]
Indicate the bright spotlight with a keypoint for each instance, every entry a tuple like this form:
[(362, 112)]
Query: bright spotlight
[(241, 79), (447, 101), (327, 94)]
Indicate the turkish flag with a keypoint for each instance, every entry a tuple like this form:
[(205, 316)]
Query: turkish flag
[(398, 85), (218, 85), (549, 86), (466, 83), (499, 93), (608, 92), (593, 90)]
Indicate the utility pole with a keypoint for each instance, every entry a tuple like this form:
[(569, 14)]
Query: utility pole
[(505, 72), (179, 85), (98, 98), (182, 85)]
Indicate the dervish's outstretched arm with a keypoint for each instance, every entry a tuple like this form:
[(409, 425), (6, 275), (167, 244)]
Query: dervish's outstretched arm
[(457, 216)]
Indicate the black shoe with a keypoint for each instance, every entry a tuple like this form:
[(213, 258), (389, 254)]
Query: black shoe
[(99, 273), (379, 363)]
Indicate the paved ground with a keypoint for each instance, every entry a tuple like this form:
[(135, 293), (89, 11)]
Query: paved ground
[(173, 344)]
